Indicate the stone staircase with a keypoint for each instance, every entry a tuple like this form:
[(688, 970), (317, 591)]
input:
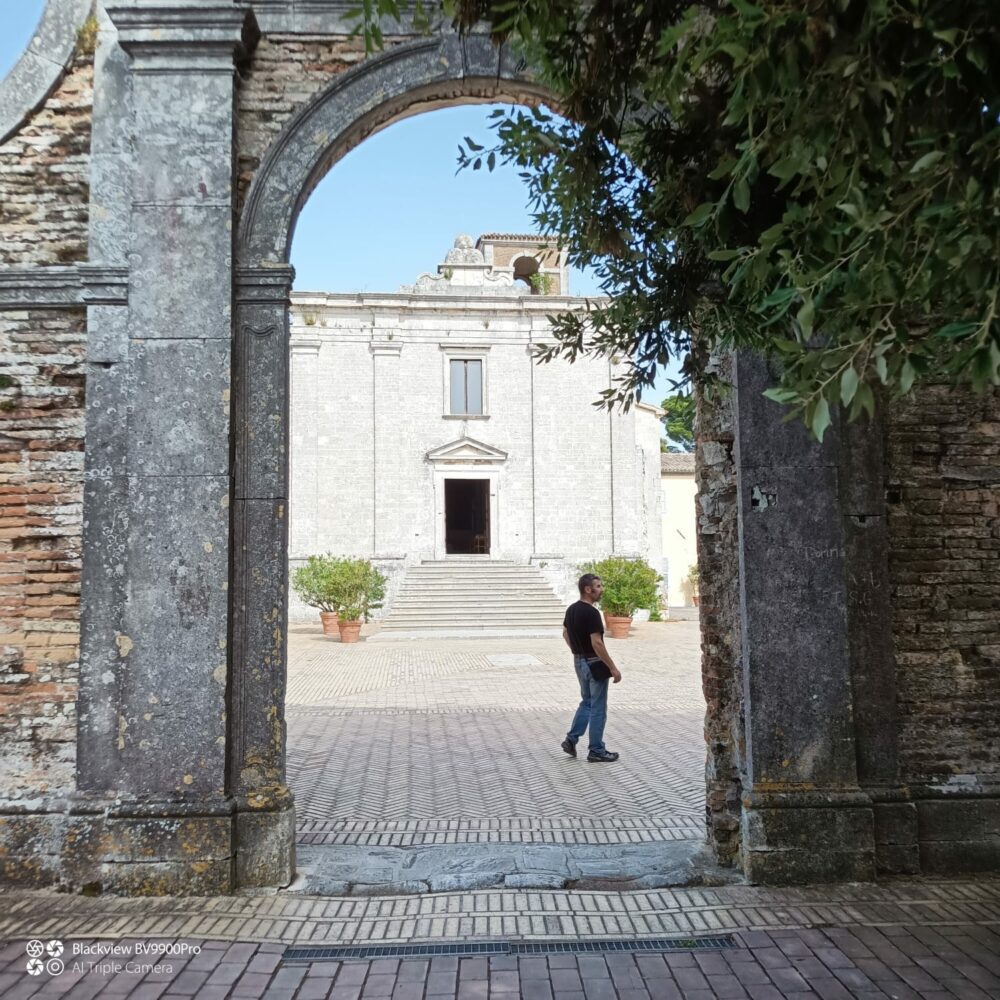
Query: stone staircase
[(472, 598)]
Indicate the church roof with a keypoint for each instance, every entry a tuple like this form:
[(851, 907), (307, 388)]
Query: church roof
[(676, 463), (519, 237)]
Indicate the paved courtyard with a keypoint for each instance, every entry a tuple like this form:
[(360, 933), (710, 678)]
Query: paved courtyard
[(435, 764), (396, 750)]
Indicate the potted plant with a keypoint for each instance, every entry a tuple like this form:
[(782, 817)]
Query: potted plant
[(344, 590), (629, 584), (692, 584)]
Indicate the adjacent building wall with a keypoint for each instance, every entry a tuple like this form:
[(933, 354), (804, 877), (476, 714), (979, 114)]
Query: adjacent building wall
[(679, 493)]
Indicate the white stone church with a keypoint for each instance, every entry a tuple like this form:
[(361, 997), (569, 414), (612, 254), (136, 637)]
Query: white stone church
[(426, 438)]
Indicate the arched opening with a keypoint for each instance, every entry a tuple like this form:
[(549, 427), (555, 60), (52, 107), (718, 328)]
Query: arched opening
[(525, 269), (343, 117)]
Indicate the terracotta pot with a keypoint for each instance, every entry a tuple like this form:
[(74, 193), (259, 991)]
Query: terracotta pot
[(695, 599), (329, 620), (618, 627), (350, 631)]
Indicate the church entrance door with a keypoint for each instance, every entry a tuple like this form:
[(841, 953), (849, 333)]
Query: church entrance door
[(467, 516)]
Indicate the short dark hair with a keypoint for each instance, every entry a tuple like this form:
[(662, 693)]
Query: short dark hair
[(586, 580)]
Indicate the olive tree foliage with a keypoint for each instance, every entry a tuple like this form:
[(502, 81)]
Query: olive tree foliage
[(813, 179)]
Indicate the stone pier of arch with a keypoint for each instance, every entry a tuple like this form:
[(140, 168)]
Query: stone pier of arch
[(179, 767)]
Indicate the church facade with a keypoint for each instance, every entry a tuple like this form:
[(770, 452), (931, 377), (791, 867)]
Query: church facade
[(422, 427)]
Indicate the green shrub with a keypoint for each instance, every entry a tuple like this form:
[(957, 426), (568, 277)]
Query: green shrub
[(629, 584), (350, 587)]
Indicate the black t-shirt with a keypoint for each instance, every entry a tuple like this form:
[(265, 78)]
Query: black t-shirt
[(581, 622)]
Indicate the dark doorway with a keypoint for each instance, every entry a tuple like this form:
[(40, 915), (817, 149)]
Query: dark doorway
[(467, 516)]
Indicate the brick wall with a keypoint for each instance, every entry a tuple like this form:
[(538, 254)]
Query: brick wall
[(41, 467), (287, 71), (44, 177), (943, 481)]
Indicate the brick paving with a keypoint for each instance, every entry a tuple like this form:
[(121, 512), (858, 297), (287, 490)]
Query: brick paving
[(458, 741), (891, 961)]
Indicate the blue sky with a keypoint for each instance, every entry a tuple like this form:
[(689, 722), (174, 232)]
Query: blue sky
[(392, 207)]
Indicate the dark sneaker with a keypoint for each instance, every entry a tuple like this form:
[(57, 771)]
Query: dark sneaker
[(570, 748), (604, 755)]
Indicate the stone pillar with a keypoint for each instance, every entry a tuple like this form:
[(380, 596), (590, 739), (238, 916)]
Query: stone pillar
[(805, 817), (153, 749), (869, 639), (265, 816)]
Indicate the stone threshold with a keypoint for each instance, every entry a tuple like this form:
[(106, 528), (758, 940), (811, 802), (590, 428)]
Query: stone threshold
[(378, 871), (289, 918)]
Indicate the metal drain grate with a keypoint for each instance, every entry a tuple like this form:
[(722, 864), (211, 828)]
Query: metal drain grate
[(475, 949)]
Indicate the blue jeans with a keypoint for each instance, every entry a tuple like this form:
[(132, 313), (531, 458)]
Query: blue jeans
[(593, 708)]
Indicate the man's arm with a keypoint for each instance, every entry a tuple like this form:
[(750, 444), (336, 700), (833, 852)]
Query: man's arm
[(597, 641), (566, 638)]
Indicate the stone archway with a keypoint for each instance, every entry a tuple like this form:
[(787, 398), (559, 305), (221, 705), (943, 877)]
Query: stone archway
[(409, 79), (180, 743), (802, 809)]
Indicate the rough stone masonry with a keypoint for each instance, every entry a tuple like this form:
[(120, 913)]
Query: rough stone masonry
[(153, 158)]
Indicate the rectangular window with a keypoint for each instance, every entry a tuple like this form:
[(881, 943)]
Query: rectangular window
[(466, 386)]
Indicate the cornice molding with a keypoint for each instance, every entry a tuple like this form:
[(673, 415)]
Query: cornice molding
[(62, 287), (151, 32)]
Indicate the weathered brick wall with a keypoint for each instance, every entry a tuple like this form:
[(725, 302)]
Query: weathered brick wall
[(943, 482), (287, 71), (718, 579), (44, 176), (41, 473)]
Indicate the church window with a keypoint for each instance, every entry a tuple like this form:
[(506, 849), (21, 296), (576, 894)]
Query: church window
[(466, 386)]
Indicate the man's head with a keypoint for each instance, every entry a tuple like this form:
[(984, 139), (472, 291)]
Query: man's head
[(590, 586)]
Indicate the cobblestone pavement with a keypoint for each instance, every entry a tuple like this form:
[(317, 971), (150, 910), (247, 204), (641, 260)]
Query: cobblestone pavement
[(932, 940), (434, 765), (433, 737)]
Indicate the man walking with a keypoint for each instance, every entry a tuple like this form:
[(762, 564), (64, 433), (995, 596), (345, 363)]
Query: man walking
[(583, 631)]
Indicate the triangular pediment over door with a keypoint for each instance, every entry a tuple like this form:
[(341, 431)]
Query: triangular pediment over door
[(467, 450)]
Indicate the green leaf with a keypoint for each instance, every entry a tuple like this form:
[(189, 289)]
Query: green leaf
[(805, 317), (785, 168), (781, 395), (723, 254), (867, 398), (954, 331), (473, 145), (700, 215), (927, 160), (848, 385), (741, 194), (748, 10), (820, 419), (736, 52), (882, 368), (906, 377), (779, 297)]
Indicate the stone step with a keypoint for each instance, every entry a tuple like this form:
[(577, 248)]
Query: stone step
[(473, 595), (460, 603)]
